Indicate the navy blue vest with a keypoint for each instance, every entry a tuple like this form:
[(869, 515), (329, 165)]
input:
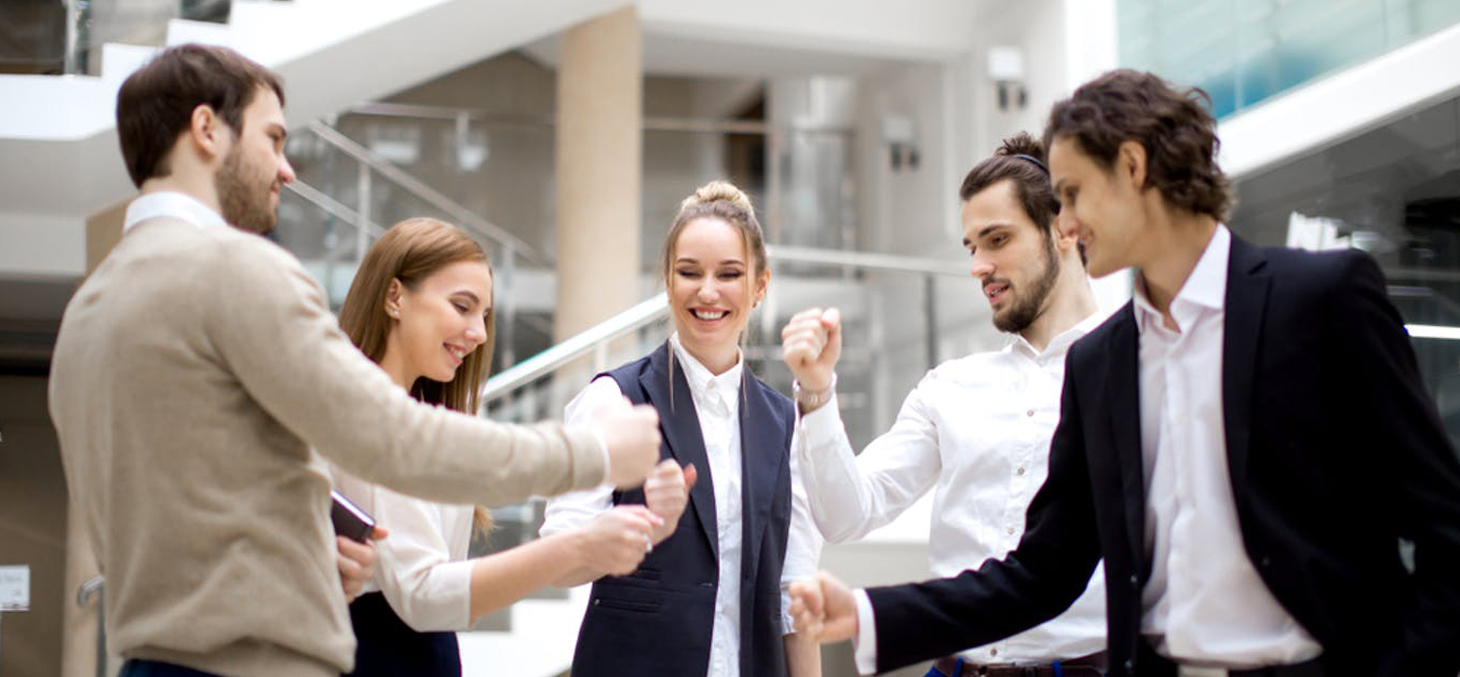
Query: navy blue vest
[(658, 620)]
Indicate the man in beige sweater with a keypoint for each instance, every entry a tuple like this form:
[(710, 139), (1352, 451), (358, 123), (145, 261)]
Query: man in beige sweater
[(199, 365)]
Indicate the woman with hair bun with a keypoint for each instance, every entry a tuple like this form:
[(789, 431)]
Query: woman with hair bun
[(709, 601)]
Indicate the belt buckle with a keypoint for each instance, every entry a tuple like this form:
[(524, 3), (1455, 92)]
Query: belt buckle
[(1200, 671)]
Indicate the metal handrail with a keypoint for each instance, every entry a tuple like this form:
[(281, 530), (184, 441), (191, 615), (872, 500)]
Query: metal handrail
[(334, 207), (865, 260), (418, 188), (571, 350), (656, 308)]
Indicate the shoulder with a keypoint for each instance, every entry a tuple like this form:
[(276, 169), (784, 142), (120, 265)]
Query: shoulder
[(1096, 344), (779, 402)]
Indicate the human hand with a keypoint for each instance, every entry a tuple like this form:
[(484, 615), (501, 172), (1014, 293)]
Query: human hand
[(616, 541), (824, 608), (666, 493), (631, 435), (811, 344), (356, 562)]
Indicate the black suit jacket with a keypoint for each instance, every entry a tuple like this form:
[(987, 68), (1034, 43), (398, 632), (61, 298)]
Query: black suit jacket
[(659, 619), (1335, 453)]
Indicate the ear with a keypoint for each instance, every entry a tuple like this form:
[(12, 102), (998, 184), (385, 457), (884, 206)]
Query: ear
[(392, 298), (1131, 162), (206, 131), (761, 284)]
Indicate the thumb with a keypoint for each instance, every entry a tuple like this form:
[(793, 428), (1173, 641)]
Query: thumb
[(690, 475), (831, 320), (378, 533)]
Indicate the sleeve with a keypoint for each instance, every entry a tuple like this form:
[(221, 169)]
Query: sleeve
[(272, 328), (576, 509), (414, 568), (1035, 582), (864, 645), (803, 542), (1427, 485), (852, 495)]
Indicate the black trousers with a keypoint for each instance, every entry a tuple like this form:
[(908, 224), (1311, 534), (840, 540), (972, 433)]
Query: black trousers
[(386, 646)]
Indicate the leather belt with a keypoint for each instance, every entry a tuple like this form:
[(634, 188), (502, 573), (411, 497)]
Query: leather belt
[(1092, 665)]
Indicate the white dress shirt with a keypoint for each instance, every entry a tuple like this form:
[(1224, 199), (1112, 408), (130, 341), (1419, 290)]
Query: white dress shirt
[(977, 431), (717, 404), (171, 204), (422, 567), (1204, 602)]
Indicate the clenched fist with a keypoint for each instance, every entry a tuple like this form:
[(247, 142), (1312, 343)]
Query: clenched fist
[(666, 493), (811, 343)]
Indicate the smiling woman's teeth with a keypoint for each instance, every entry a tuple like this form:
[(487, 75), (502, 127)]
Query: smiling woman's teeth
[(458, 353), (709, 314)]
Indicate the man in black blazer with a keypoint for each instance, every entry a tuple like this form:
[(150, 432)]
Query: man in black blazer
[(1248, 444)]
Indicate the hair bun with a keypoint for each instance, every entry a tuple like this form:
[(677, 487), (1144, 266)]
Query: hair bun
[(1022, 144), (718, 191)]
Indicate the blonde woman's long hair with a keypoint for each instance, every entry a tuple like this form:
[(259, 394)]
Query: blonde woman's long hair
[(411, 251)]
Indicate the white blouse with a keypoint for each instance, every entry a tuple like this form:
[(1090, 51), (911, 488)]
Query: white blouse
[(421, 566)]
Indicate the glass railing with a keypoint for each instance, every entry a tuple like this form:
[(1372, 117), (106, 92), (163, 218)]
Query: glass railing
[(347, 195), (1243, 52)]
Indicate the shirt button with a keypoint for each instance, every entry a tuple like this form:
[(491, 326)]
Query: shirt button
[(1019, 471), (1134, 580), (993, 652), (1029, 413), (1010, 530)]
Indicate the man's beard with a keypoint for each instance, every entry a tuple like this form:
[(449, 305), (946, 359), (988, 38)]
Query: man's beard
[(244, 205), (1028, 307)]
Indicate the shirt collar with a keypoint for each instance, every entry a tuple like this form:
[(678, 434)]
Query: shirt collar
[(700, 380), (1059, 343), (1205, 287), (171, 204)]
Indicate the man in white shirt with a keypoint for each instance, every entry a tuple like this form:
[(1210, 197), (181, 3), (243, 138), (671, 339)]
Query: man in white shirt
[(976, 430), (1248, 443)]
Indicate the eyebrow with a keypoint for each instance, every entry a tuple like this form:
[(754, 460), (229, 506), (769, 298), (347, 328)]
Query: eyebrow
[(985, 231), (686, 259), (469, 294)]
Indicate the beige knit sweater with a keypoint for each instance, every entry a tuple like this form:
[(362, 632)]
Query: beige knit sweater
[(193, 373)]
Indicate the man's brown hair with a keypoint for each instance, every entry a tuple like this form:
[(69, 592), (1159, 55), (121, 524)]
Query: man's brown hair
[(1173, 125), (156, 103)]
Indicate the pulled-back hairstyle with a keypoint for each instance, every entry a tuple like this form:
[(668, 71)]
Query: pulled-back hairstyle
[(1173, 125), (411, 251), (1020, 159), (719, 200), (156, 103)]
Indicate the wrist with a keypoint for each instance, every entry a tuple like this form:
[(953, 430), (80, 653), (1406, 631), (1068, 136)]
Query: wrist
[(808, 399)]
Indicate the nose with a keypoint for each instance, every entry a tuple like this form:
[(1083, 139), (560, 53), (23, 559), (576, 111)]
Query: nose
[(476, 331), (982, 266), (707, 291), (286, 170)]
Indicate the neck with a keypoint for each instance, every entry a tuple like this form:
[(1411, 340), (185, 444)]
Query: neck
[(395, 367), (718, 359), (197, 186), (1178, 239), (1069, 303)]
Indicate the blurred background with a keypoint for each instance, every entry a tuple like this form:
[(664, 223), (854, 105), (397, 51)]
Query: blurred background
[(850, 123)]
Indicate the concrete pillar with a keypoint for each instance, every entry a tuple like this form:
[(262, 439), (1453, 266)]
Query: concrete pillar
[(599, 170)]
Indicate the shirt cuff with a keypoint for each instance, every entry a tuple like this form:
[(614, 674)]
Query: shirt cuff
[(865, 643), (821, 427)]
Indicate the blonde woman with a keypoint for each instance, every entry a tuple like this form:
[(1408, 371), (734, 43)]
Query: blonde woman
[(421, 308), (708, 601)]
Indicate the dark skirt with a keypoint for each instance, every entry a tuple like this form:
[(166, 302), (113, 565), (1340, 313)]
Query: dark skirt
[(386, 646)]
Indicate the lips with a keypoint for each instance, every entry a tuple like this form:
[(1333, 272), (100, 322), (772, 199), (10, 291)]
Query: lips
[(457, 353), (996, 292)]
